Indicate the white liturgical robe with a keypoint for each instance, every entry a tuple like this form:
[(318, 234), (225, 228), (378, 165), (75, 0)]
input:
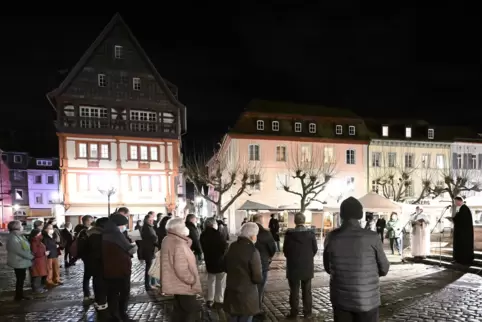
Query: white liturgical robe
[(420, 236)]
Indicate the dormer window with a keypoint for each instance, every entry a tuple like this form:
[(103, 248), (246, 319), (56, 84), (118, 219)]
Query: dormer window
[(408, 132), (118, 52), (312, 127), (101, 80), (431, 134), (260, 125), (275, 126), (136, 84), (297, 127), (385, 130), (339, 130), (351, 130)]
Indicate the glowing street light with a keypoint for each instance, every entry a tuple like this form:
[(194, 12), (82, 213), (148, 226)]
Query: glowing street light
[(109, 193), (16, 207)]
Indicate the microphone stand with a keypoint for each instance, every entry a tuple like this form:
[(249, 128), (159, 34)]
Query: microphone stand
[(440, 235)]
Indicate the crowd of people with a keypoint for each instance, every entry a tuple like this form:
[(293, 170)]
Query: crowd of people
[(237, 271)]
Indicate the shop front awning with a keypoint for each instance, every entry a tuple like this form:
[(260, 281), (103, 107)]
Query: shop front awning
[(41, 212), (252, 205)]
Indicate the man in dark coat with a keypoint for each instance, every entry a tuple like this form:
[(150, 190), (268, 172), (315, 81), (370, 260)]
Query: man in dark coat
[(463, 236), (117, 265), (300, 248), (214, 246), (355, 259), (223, 228), (266, 246), (194, 236), (161, 230), (148, 247), (274, 230), (381, 225), (124, 211)]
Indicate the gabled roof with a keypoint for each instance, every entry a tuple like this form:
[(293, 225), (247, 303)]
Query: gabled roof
[(278, 107), (117, 19)]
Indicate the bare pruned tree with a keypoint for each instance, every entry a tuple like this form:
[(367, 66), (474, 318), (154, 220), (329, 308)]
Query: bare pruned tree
[(227, 174), (311, 168)]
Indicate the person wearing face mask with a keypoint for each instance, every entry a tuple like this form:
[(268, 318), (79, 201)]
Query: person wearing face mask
[(117, 265), (53, 266), (38, 271), (179, 275), (244, 273)]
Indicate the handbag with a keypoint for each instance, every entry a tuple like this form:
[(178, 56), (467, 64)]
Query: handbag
[(155, 270)]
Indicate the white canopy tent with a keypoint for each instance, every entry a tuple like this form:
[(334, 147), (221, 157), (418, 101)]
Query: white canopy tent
[(372, 202)]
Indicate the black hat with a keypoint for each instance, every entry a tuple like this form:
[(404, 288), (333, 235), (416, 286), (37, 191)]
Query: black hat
[(351, 208), (119, 220)]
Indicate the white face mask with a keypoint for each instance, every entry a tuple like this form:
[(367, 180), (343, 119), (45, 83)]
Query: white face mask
[(186, 231), (122, 228), (50, 232), (215, 226)]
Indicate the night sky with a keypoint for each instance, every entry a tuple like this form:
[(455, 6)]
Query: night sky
[(376, 61)]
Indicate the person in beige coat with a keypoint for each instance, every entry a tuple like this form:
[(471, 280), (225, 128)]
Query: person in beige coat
[(179, 274)]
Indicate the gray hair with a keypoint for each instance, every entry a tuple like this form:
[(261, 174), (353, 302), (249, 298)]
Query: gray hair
[(249, 230), (176, 225), (14, 225), (209, 222)]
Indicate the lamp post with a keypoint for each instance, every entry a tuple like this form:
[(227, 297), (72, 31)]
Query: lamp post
[(199, 205), (109, 193)]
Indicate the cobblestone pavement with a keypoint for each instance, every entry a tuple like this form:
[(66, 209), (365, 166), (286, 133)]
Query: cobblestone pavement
[(410, 292)]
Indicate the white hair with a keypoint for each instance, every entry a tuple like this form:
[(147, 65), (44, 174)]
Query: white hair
[(249, 230), (176, 225)]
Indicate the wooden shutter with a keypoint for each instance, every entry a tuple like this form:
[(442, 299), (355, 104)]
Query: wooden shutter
[(465, 161), (479, 157)]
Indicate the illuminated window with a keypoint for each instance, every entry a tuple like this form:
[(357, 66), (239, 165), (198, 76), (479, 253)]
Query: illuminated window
[(312, 128), (275, 126), (144, 152), (118, 52), (133, 152), (82, 150), (297, 127), (154, 153), (260, 125), (136, 84), (101, 80), (104, 151)]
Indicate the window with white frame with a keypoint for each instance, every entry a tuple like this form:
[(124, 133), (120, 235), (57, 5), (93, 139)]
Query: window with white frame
[(38, 179), (385, 130), (281, 181), (351, 130), (474, 162), (431, 134), (91, 115), (392, 159), (101, 80), (93, 151), (297, 127), (82, 150), (17, 158), (50, 179), (350, 156), (144, 152), (136, 84), (253, 151), (44, 163), (19, 194), (154, 153), (374, 186), (312, 127), (409, 190), (133, 152), (275, 126), (118, 52), (426, 160), (408, 132), (409, 160), (376, 159), (144, 116), (339, 130), (328, 154), (440, 161), (38, 198), (104, 151), (280, 153), (255, 179), (260, 125), (350, 183), (459, 161), (306, 153)]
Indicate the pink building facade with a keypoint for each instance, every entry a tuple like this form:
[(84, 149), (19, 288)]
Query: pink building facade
[(6, 214)]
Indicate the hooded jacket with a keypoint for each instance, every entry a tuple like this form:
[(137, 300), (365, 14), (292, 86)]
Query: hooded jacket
[(300, 248)]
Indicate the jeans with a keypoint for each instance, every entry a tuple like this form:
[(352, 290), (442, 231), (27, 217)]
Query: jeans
[(118, 291), (278, 247), (346, 316), (216, 286), (86, 282), (20, 275), (238, 318), (100, 291), (381, 234), (397, 243), (305, 294), (261, 288)]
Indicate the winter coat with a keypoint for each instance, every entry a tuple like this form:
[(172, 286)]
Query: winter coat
[(244, 273), (161, 230), (394, 229), (300, 248), (215, 246), (149, 241), (179, 274), (39, 265), (116, 253), (92, 247), (355, 259), (266, 246), (274, 228), (18, 251), (194, 235), (50, 245), (67, 238)]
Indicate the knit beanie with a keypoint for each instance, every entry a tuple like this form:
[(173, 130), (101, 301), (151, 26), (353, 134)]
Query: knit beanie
[(351, 208)]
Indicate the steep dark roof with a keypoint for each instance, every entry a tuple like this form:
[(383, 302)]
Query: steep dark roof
[(278, 107), (117, 19)]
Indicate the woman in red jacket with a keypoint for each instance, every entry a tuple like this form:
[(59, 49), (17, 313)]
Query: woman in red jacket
[(39, 264)]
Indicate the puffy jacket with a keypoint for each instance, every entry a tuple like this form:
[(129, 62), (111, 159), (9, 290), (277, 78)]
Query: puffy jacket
[(355, 259), (18, 251)]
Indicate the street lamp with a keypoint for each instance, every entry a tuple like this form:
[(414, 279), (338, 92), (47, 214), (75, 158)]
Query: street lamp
[(108, 192), (199, 205)]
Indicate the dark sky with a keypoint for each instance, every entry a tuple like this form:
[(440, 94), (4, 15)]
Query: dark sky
[(377, 61)]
